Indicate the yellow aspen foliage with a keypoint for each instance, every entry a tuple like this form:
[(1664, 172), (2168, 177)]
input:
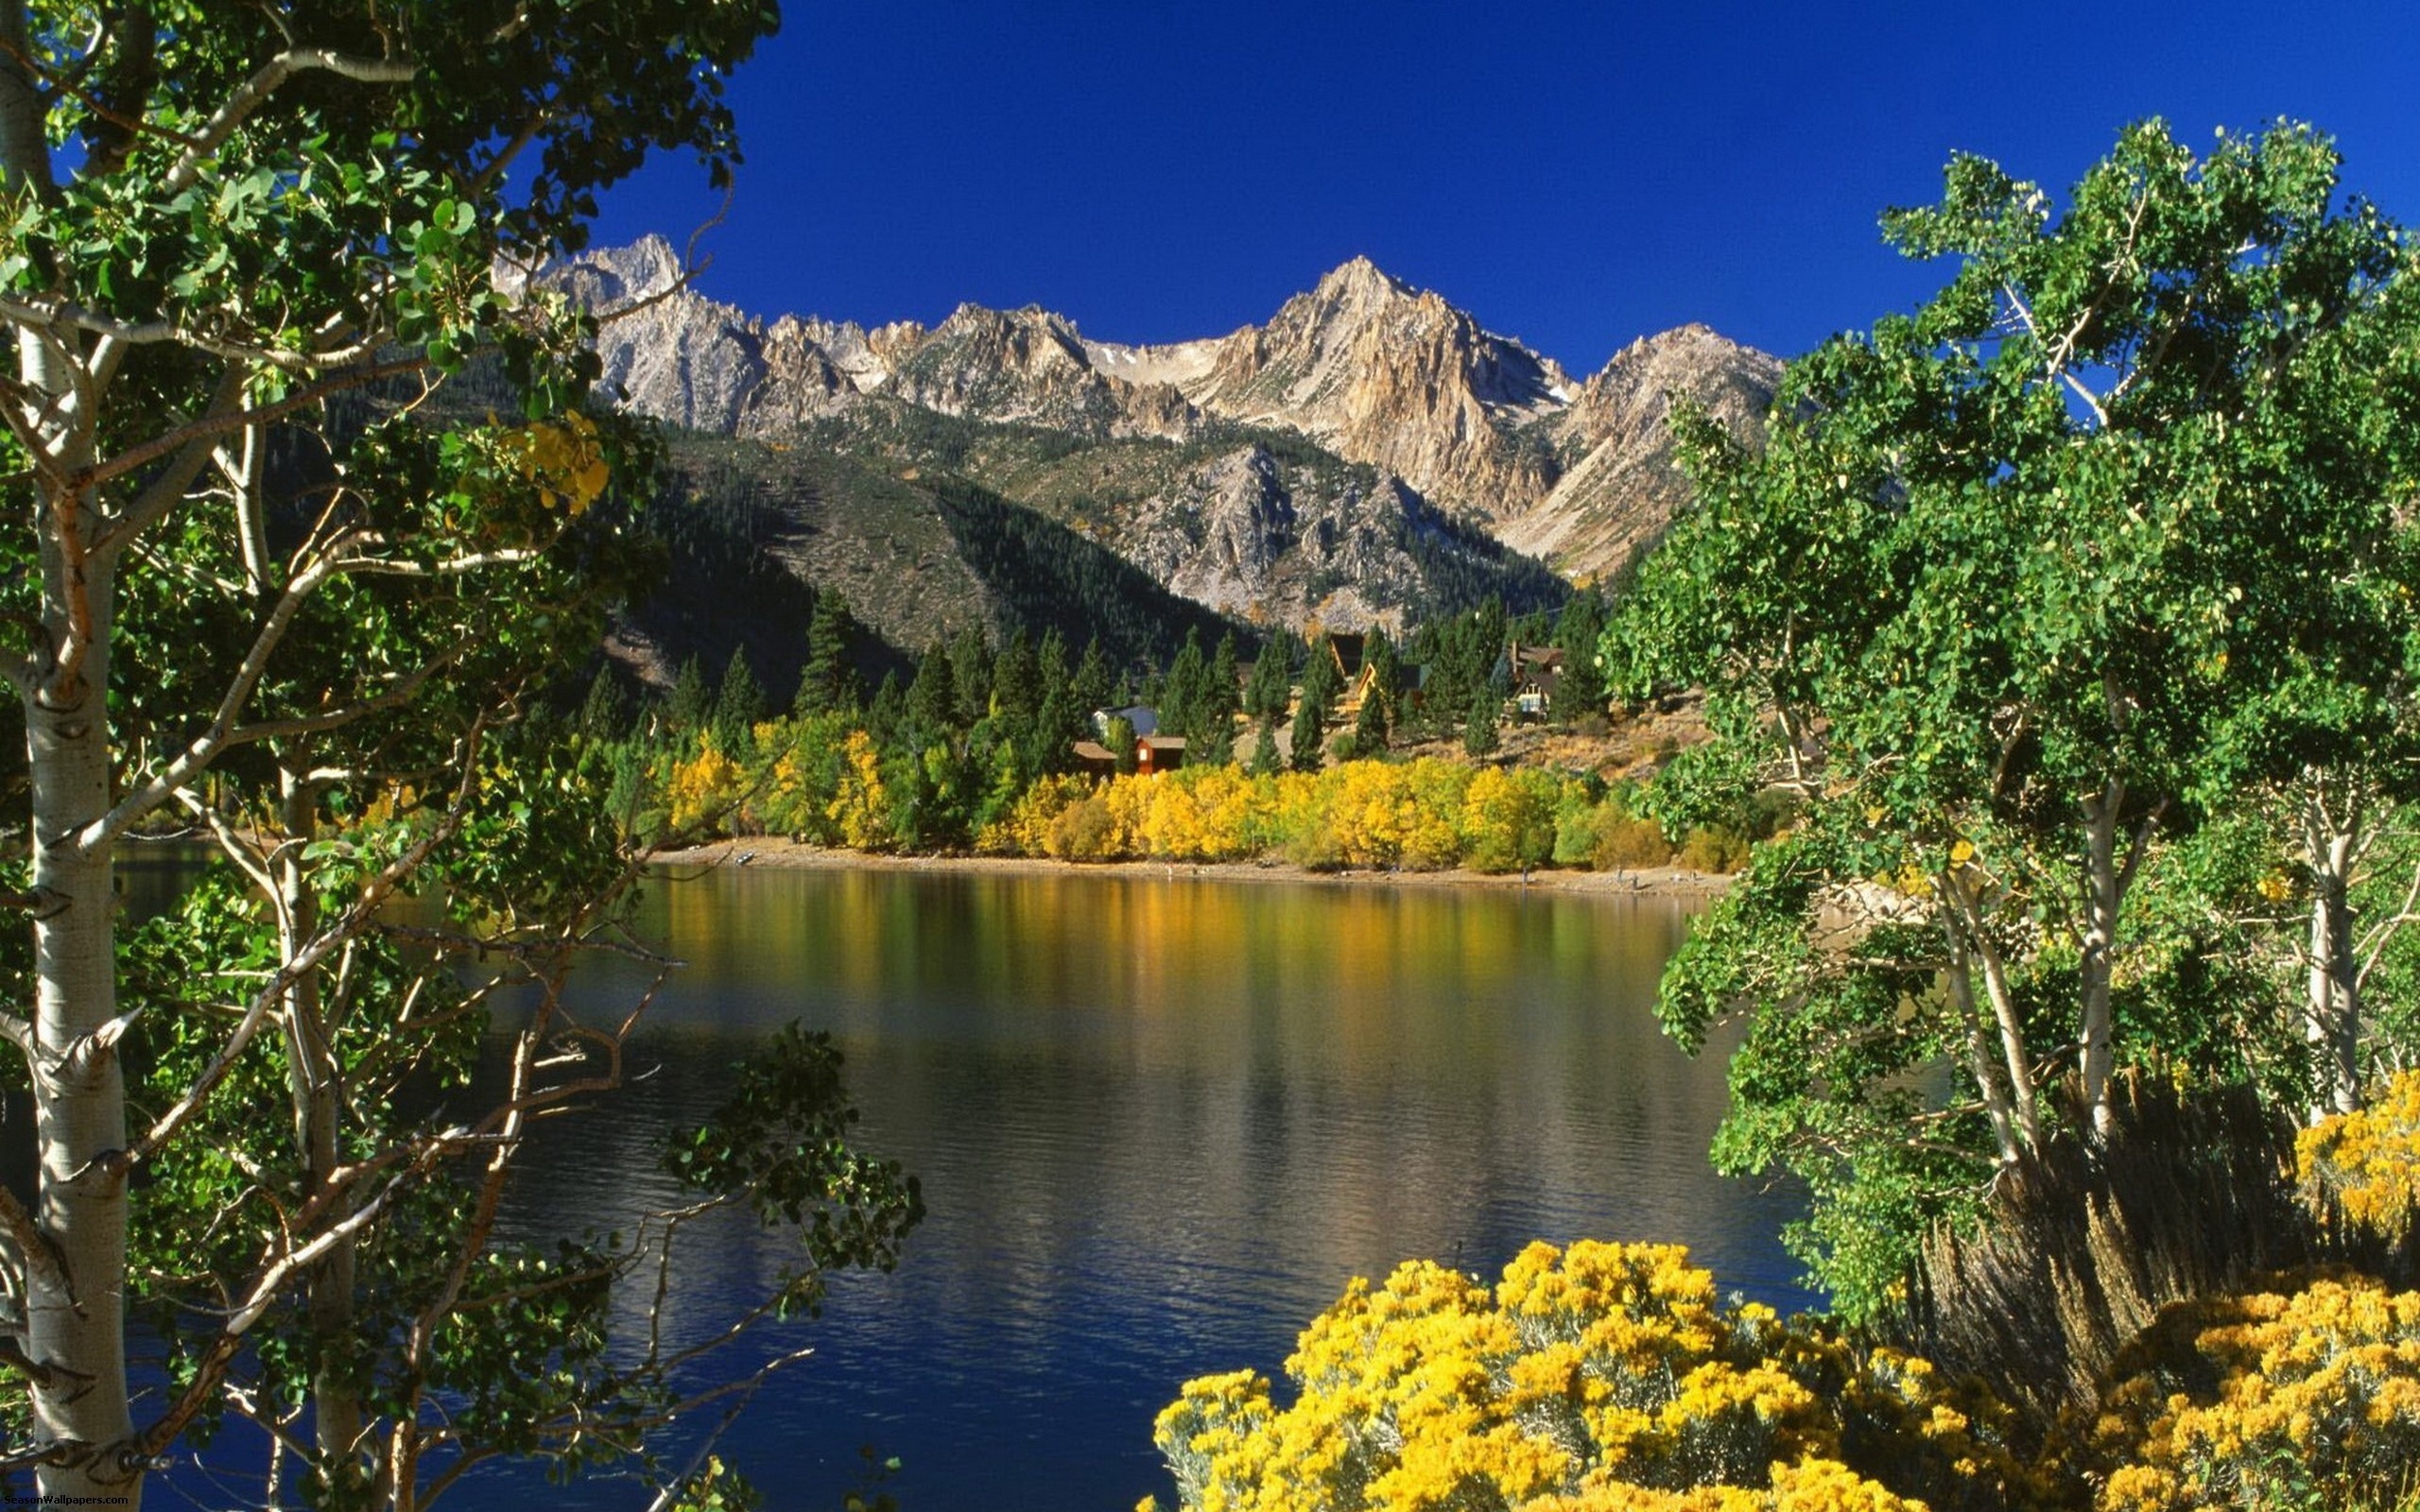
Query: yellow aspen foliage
[(1026, 831), (2303, 1399), (861, 811), (2368, 1161), (1601, 1378), (1369, 811), (1508, 819), (1231, 810), (563, 460), (1173, 825), (704, 788), (1433, 837), (1201, 813), (1129, 800), (796, 774)]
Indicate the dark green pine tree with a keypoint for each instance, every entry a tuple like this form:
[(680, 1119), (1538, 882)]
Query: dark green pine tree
[(605, 713), (691, 704), (1060, 721), (1478, 731), (1264, 751), (1370, 726), (1220, 699), (1016, 687), (1090, 687), (1119, 738), (1386, 662), (828, 682), (739, 704), (1321, 678), (932, 698), (887, 715), (1580, 691), (1310, 734), (1186, 689), (970, 656)]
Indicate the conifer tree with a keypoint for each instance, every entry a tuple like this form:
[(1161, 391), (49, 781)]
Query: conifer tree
[(970, 675), (605, 713), (932, 699), (1308, 734), (691, 704), (1479, 727), (739, 704), (1264, 751), (827, 682)]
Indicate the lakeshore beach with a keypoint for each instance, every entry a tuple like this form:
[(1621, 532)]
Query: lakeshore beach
[(775, 852)]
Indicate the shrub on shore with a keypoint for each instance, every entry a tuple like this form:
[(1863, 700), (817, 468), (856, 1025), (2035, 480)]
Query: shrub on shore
[(822, 779)]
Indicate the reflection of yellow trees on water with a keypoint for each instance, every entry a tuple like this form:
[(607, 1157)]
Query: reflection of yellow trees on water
[(1601, 1377), (1371, 1071)]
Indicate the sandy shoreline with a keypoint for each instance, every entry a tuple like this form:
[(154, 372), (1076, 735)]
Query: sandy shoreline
[(788, 855)]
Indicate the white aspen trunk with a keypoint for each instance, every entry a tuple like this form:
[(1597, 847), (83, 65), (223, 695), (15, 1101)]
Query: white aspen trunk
[(315, 1088), (1978, 1053), (2332, 1000), (75, 1302), (2023, 1095), (1975, 949), (77, 1331), (2102, 893)]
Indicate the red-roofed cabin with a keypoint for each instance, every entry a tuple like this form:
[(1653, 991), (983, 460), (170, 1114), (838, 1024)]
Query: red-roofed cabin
[(1154, 754)]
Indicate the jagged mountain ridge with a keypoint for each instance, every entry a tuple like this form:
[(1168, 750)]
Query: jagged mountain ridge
[(1464, 422)]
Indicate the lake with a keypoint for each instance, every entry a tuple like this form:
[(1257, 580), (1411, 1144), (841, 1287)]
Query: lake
[(1159, 1123)]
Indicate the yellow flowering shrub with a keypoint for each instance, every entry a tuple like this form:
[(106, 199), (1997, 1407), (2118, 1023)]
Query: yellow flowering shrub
[(1432, 839), (2369, 1161), (2305, 1397), (1809, 1485), (1370, 811), (1601, 1378)]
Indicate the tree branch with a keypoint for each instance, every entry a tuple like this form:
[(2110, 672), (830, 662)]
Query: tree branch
[(210, 426), (255, 93)]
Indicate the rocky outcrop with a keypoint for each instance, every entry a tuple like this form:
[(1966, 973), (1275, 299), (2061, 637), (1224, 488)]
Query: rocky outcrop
[(666, 349), (1453, 416), (1395, 377), (1243, 538), (1619, 492)]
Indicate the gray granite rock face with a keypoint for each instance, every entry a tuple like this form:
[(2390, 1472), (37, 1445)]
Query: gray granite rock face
[(1453, 419)]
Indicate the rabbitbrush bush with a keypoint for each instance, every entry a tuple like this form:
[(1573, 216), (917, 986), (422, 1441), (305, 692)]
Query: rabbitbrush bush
[(1597, 1377)]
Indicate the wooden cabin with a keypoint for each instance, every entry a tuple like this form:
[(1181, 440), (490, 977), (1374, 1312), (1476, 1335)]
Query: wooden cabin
[(1154, 754), (1536, 670)]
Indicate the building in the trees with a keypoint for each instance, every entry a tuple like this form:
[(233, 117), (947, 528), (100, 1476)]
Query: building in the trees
[(1154, 754)]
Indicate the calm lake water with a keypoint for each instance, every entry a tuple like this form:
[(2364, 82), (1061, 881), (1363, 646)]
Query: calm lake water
[(1159, 1125)]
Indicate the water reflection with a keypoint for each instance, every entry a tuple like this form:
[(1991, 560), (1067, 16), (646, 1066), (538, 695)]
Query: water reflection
[(1159, 1123)]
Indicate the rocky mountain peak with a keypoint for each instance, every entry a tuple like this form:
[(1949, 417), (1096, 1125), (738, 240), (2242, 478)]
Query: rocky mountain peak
[(1360, 279), (1395, 376), (618, 275), (1373, 368), (1624, 482)]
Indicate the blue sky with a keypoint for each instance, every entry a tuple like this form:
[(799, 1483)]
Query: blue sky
[(1574, 174)]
